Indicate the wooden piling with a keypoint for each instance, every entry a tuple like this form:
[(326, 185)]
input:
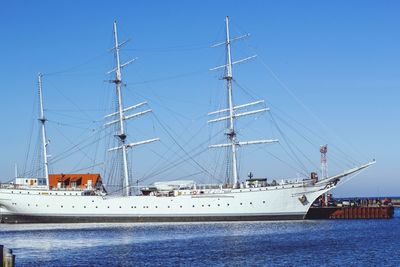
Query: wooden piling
[(7, 257), (1, 254)]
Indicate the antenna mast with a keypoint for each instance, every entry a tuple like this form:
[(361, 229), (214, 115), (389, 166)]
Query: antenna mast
[(323, 149), (42, 121), (324, 164), (230, 112)]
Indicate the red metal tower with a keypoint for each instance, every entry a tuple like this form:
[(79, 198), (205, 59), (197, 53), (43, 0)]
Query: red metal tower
[(324, 169), (324, 165)]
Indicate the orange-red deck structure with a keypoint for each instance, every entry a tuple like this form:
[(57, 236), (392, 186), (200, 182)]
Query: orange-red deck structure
[(76, 180)]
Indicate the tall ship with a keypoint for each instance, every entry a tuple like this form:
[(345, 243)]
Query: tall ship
[(81, 198)]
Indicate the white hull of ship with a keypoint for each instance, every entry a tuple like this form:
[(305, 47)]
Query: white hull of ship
[(264, 203)]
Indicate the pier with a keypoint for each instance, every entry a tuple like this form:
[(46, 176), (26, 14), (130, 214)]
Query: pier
[(356, 208), (318, 213)]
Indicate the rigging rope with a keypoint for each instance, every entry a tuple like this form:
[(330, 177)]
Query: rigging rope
[(177, 143), (348, 157), (70, 69), (305, 107)]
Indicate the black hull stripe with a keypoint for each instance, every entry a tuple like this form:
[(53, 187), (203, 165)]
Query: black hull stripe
[(99, 219)]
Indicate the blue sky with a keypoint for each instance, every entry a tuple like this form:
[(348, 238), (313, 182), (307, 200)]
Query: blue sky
[(337, 65)]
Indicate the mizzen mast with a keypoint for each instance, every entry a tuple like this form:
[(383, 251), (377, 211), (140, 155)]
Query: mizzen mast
[(230, 111), (42, 120), (120, 114)]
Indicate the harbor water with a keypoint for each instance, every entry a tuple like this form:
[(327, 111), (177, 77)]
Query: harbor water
[(284, 243)]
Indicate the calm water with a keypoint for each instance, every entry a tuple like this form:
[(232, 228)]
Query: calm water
[(287, 243)]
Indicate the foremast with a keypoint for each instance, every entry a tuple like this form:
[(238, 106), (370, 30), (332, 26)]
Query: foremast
[(230, 111), (42, 120), (120, 114)]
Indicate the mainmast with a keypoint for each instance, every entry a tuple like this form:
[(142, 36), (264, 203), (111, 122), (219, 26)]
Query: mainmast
[(121, 135), (230, 111), (120, 114), (42, 121), (231, 134)]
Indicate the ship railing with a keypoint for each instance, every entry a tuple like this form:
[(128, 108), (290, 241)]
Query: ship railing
[(207, 186), (67, 189), (297, 182), (8, 186)]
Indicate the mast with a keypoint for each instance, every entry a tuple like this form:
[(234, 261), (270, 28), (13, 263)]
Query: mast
[(121, 135), (16, 170), (42, 121), (230, 112), (231, 134), (120, 114)]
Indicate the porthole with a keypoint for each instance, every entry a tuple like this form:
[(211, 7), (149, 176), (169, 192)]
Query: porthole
[(29, 205), (193, 206), (62, 206), (227, 204), (218, 205), (73, 207), (108, 207), (84, 207), (264, 201), (209, 205), (168, 206), (202, 206), (241, 203), (251, 203), (131, 207), (156, 207), (96, 207), (181, 206), (120, 207)]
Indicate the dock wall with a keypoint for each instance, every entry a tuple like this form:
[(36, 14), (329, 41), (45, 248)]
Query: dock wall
[(383, 212)]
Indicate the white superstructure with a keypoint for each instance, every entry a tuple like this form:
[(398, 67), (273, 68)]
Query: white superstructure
[(31, 200)]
